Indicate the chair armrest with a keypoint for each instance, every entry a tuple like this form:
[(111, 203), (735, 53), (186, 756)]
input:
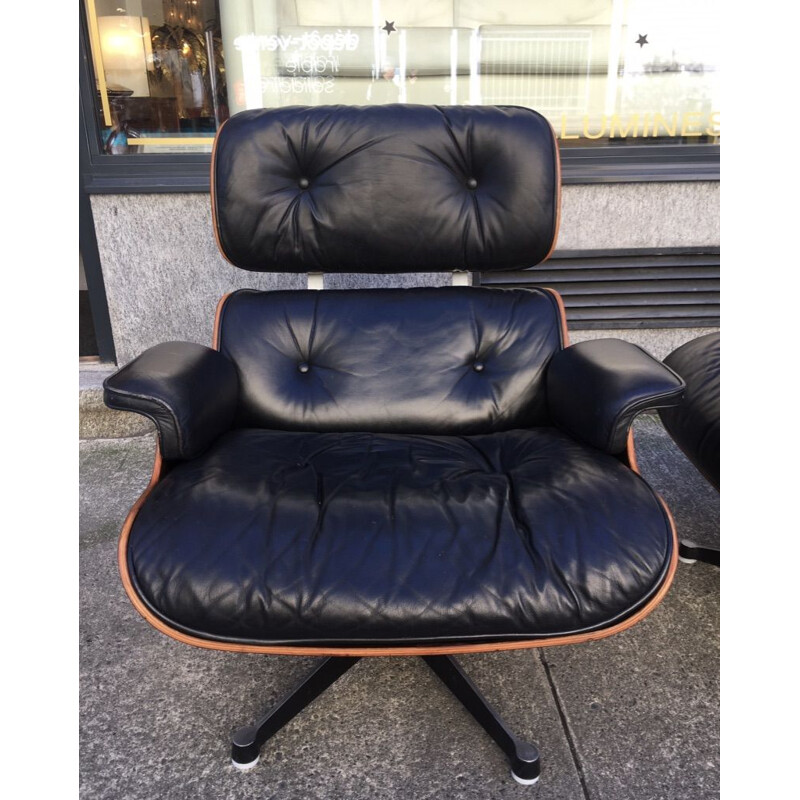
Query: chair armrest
[(596, 388), (188, 390)]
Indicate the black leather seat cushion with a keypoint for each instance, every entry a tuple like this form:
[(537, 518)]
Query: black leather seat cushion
[(278, 537)]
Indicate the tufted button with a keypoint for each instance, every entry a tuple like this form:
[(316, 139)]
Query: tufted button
[(472, 183), (302, 367), (478, 366), (303, 183)]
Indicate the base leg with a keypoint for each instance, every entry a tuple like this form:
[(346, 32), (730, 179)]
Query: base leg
[(247, 741), (523, 757), (688, 553)]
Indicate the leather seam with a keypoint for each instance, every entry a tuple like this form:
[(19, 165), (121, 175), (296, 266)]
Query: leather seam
[(153, 399), (633, 409), (637, 406), (142, 413)]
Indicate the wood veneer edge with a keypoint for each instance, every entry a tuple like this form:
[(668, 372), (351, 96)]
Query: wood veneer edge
[(630, 453), (562, 314), (213, 193), (557, 226), (217, 319)]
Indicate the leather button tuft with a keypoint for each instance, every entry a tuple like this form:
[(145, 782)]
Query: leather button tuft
[(478, 366), (303, 183), (472, 183), (302, 367)]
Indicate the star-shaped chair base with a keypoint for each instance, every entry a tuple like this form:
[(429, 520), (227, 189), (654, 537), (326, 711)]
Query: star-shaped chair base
[(522, 756)]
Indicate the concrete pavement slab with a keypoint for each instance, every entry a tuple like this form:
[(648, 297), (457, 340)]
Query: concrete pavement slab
[(642, 707)]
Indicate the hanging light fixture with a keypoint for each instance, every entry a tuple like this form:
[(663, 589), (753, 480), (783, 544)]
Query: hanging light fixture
[(181, 57), (127, 52)]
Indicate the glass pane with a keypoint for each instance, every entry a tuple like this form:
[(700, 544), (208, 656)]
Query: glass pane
[(160, 74), (604, 72)]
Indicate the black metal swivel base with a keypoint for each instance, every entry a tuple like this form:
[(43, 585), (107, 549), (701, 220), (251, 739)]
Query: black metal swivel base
[(689, 552), (523, 757)]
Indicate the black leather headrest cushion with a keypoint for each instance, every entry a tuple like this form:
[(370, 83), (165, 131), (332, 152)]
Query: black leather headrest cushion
[(392, 188)]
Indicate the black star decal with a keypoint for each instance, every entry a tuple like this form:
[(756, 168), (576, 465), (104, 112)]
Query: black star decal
[(389, 27), (642, 41)]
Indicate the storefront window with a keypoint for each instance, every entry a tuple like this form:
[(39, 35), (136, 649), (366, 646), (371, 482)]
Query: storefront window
[(604, 72), (160, 74)]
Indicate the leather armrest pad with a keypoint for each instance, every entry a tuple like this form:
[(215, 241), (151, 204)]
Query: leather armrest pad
[(596, 388), (188, 390)]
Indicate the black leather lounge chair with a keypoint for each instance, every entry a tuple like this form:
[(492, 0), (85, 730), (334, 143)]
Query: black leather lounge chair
[(694, 424), (417, 472)]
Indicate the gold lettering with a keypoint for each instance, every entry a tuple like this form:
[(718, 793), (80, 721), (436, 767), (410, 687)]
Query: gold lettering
[(713, 129), (646, 131), (633, 122), (690, 119), (564, 134), (659, 118), (588, 135)]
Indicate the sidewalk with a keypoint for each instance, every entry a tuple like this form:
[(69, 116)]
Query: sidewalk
[(631, 717)]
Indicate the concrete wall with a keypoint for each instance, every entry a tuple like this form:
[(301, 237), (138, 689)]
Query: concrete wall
[(164, 275), (629, 215)]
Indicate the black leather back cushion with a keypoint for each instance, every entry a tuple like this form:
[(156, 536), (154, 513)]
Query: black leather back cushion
[(446, 360), (393, 188)]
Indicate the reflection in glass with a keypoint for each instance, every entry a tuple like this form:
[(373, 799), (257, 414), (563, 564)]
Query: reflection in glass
[(604, 72), (163, 83)]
